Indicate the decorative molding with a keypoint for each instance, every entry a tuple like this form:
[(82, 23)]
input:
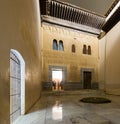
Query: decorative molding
[(71, 25)]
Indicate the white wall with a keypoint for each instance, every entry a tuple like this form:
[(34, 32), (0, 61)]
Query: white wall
[(111, 70), (102, 49)]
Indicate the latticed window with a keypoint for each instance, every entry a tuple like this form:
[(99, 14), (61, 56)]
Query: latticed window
[(61, 47), (55, 45), (89, 50), (84, 49)]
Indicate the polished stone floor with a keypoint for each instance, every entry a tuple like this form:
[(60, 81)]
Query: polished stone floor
[(67, 109)]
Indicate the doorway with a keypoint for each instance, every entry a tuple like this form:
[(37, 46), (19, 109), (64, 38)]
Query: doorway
[(87, 77), (17, 86), (57, 79), (62, 74)]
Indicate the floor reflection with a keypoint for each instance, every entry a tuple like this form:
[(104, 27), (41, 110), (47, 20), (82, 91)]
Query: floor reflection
[(57, 111)]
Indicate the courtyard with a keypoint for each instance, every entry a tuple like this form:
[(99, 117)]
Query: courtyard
[(65, 108)]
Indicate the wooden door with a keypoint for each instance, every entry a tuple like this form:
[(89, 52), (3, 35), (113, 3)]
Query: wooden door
[(87, 79)]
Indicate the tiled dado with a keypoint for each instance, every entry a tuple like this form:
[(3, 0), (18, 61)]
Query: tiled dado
[(72, 86), (47, 86), (69, 86), (66, 86)]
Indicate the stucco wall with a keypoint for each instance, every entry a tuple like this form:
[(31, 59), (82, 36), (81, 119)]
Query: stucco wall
[(19, 30), (112, 60), (102, 49), (72, 61)]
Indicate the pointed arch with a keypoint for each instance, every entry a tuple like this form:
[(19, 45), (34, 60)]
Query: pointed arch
[(55, 45), (84, 49), (61, 46), (73, 48), (89, 50)]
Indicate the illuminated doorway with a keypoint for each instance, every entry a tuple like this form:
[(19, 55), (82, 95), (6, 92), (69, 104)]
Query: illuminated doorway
[(62, 72), (57, 80)]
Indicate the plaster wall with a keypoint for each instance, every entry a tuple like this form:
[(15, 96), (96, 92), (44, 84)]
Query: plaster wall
[(20, 30), (102, 50), (72, 61), (111, 68)]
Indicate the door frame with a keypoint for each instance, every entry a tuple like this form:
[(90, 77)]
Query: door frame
[(82, 70), (55, 68), (87, 85)]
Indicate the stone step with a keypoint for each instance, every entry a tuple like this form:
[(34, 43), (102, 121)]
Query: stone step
[(78, 92)]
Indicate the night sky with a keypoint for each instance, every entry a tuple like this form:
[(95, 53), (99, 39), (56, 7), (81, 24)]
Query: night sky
[(98, 6)]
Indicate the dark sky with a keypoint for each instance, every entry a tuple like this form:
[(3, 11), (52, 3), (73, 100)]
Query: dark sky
[(98, 6)]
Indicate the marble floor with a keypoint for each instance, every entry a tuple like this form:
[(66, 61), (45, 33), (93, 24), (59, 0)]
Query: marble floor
[(67, 109)]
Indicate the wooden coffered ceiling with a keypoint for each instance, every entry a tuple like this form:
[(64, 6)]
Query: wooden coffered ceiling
[(70, 16)]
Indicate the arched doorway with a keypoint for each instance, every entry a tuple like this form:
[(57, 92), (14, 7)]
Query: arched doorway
[(17, 85)]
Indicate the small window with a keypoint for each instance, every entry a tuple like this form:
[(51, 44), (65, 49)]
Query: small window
[(55, 45), (61, 47), (73, 48), (89, 50), (84, 49)]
